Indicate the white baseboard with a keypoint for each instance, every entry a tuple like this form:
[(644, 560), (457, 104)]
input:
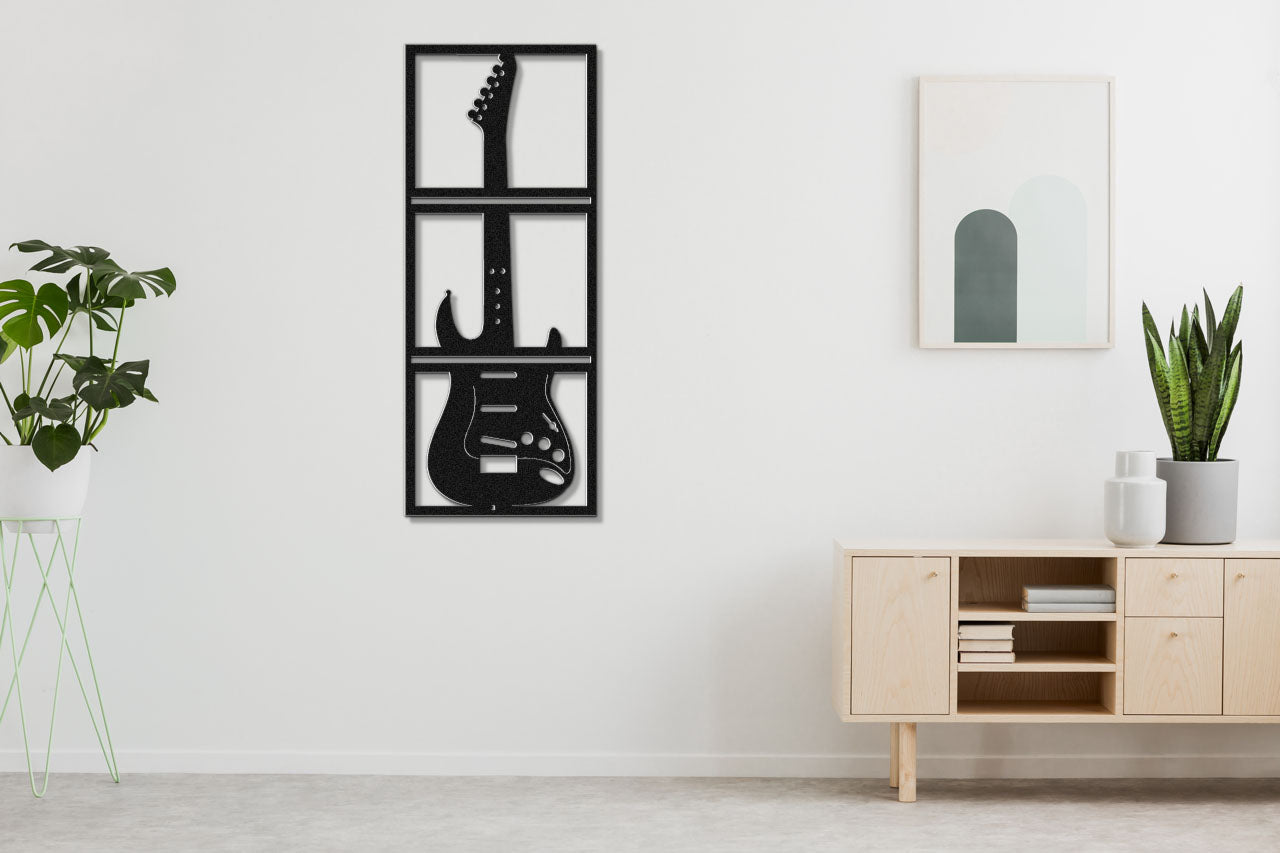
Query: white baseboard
[(615, 764)]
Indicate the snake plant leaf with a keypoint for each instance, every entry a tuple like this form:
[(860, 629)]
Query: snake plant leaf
[(55, 446), (60, 259), (1207, 398), (104, 388), (1149, 327), (1195, 361), (1230, 317), (1179, 401), (1184, 333), (58, 409), (1160, 380), (29, 314), (1229, 394), (1211, 324), (1198, 336)]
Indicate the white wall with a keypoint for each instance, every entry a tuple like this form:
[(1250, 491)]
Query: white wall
[(257, 598)]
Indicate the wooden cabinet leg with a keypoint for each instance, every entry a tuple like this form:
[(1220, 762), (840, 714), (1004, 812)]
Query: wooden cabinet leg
[(893, 755), (906, 762)]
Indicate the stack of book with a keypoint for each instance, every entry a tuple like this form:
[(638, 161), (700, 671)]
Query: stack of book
[(986, 642), (1069, 598)]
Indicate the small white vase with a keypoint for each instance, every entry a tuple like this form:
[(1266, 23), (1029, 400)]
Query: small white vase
[(30, 490), (1134, 501)]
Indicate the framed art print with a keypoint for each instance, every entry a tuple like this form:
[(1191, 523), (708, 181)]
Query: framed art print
[(1016, 200)]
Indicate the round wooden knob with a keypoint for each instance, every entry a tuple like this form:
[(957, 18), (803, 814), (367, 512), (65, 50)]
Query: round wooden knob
[(933, 574), (1172, 575), (1239, 575), (1173, 633)]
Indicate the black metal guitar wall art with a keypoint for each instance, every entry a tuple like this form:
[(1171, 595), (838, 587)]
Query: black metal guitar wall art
[(501, 447)]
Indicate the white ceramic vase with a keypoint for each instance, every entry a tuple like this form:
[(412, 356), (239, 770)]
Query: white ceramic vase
[(30, 490), (1134, 501)]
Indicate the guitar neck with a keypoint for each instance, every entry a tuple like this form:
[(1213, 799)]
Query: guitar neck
[(495, 159), (499, 302)]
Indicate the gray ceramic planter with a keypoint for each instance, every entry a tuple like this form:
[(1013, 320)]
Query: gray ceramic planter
[(1200, 501)]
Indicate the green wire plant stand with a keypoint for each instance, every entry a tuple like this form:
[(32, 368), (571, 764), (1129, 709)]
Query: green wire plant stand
[(12, 533)]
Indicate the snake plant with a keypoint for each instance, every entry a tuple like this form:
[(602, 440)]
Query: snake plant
[(1198, 380)]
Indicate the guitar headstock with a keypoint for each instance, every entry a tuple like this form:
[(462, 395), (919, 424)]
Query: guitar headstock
[(492, 107)]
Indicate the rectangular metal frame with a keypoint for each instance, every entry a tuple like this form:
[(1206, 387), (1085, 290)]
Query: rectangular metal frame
[(427, 201)]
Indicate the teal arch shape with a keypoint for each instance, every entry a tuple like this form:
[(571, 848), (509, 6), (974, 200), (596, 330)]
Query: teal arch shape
[(986, 279)]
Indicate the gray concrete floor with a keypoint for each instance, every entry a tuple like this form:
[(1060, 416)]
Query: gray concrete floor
[(479, 814)]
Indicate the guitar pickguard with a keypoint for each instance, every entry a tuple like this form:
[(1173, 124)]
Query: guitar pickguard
[(497, 415)]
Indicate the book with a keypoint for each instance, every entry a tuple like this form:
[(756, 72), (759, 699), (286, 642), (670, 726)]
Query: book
[(1073, 593), (1069, 607), (986, 657), (986, 645), (986, 631)]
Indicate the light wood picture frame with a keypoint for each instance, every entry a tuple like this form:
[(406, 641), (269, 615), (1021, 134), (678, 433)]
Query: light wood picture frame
[(1016, 211)]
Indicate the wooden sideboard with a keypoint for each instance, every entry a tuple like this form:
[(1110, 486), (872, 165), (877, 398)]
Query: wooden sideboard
[(1195, 637)]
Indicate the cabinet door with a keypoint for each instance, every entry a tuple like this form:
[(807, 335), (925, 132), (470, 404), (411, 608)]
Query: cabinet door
[(1172, 666), (901, 624), (1251, 653)]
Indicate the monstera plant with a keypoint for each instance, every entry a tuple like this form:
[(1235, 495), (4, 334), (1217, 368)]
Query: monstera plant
[(65, 399)]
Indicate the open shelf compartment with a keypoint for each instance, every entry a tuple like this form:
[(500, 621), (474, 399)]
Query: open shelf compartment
[(990, 588), (1057, 647), (1014, 693)]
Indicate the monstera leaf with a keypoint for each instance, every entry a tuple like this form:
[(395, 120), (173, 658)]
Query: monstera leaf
[(55, 446), (60, 259), (57, 409), (107, 275), (133, 285), (28, 315), (104, 388), (94, 301), (7, 347)]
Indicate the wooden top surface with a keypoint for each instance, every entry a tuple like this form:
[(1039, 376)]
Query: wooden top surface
[(1046, 548)]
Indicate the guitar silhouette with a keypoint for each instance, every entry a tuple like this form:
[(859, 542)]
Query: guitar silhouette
[(500, 442)]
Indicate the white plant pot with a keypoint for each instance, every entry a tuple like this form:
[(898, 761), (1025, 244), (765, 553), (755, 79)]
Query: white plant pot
[(30, 490), (1202, 501)]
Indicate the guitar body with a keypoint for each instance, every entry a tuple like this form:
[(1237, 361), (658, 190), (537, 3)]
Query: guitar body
[(500, 442), (502, 415)]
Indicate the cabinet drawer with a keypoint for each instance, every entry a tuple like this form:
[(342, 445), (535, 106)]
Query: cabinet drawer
[(1172, 666), (1172, 587)]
